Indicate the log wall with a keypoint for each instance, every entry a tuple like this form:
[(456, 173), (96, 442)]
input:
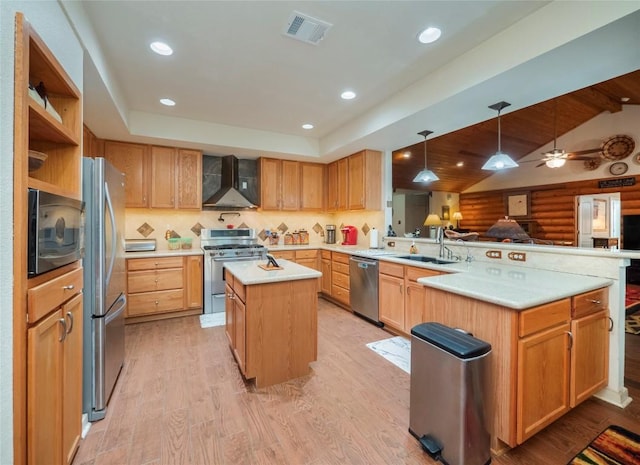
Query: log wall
[(553, 214)]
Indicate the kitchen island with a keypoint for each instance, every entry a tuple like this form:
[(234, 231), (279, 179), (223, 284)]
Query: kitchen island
[(272, 319)]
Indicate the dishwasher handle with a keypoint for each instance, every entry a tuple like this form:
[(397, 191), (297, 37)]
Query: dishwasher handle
[(364, 263)]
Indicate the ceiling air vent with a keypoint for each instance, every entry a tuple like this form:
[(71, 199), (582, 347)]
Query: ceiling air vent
[(305, 28)]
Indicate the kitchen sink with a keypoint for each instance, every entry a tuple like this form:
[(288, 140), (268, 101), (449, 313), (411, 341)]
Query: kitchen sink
[(425, 259)]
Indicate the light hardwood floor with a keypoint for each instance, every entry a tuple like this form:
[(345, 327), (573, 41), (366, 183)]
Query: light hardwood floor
[(181, 400)]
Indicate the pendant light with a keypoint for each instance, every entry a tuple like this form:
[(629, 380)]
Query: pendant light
[(426, 175), (500, 160), (557, 157)]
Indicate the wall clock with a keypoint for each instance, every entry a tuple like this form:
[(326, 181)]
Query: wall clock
[(618, 168)]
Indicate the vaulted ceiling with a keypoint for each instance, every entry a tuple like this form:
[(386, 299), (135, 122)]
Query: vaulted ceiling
[(522, 132)]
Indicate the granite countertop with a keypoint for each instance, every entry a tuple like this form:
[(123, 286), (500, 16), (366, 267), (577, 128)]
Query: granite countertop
[(164, 253), (248, 272), (513, 287)]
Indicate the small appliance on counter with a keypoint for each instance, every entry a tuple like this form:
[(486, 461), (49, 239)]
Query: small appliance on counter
[(139, 245), (331, 233), (349, 235)]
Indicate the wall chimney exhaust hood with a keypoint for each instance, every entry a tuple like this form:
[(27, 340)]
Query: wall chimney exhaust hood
[(229, 196)]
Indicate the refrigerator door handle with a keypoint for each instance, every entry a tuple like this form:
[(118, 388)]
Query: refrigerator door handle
[(118, 307), (114, 233)]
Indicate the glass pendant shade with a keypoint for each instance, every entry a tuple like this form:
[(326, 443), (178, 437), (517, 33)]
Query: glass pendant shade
[(499, 161), (426, 175), (555, 162)]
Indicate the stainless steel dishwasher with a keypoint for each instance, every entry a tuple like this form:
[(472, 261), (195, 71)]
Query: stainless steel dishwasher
[(363, 273)]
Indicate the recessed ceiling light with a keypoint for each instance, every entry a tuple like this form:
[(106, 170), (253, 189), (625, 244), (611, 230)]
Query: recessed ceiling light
[(168, 102), (348, 95), (406, 154), (459, 164), (624, 99), (307, 126), (161, 48), (430, 34)]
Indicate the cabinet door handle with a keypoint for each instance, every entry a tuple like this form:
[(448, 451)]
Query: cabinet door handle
[(570, 339), (70, 315), (595, 301), (63, 336), (610, 324), (68, 287), (408, 289), (401, 288)]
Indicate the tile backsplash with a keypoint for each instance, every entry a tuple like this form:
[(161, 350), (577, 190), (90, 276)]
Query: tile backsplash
[(153, 224)]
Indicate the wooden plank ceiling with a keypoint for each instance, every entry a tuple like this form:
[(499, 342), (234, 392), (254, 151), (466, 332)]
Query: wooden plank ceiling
[(523, 131)]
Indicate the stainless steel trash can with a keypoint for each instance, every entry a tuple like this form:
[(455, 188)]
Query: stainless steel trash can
[(449, 394)]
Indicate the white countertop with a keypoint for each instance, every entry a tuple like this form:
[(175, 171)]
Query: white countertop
[(248, 272), (514, 287), (164, 253)]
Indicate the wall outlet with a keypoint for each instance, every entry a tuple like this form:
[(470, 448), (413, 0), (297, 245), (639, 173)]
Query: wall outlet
[(517, 256), (494, 254)]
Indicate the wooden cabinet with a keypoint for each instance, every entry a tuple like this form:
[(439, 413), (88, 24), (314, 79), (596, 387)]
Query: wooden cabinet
[(365, 171), (91, 146), (325, 269), (311, 186), (391, 295), (590, 350), (158, 177), (163, 287), (279, 184), (272, 328), (340, 278), (54, 392), (306, 257), (543, 367), (337, 185), (133, 161), (47, 348), (163, 177), (401, 297)]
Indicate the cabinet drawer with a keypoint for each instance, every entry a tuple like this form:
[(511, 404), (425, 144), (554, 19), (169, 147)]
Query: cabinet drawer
[(590, 302), (149, 303), (285, 254), (153, 263), (157, 280), (341, 268), (340, 294), (392, 269), (306, 254), (340, 257), (326, 254), (413, 273), (545, 316), (50, 295), (340, 279)]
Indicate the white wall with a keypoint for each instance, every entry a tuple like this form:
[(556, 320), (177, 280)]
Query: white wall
[(51, 24), (587, 136)]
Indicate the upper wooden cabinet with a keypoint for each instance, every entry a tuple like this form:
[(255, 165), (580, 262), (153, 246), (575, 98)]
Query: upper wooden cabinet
[(38, 128), (311, 186), (279, 184), (158, 177), (133, 161), (365, 170)]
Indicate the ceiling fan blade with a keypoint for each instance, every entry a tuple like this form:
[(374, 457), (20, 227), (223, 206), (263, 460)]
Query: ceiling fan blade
[(541, 164), (580, 158), (584, 152)]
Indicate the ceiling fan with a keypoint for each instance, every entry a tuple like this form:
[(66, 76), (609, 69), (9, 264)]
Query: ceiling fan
[(556, 157)]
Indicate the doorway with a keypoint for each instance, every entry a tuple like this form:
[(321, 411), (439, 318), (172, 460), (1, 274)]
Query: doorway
[(598, 220)]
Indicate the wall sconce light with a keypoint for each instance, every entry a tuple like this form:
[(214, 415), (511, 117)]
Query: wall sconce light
[(457, 216), (426, 175), (500, 160)]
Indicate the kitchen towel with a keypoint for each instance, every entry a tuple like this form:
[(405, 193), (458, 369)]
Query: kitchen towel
[(373, 238)]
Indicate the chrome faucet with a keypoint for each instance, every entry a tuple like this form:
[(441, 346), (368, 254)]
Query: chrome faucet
[(469, 258), (440, 240)]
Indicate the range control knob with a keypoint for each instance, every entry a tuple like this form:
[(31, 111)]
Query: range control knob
[(221, 253)]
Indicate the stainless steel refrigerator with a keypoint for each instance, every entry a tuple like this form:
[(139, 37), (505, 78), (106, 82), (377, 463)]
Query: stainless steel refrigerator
[(105, 299)]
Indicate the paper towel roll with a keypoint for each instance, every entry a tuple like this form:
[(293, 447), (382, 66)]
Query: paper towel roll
[(373, 238)]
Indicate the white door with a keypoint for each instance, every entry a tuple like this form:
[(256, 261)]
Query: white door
[(598, 216), (585, 213)]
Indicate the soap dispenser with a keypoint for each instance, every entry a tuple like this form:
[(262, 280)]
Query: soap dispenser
[(413, 249)]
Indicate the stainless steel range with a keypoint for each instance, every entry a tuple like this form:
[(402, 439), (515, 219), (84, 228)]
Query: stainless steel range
[(221, 246)]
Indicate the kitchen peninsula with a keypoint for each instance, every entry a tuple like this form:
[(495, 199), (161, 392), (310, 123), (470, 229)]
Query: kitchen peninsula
[(272, 319)]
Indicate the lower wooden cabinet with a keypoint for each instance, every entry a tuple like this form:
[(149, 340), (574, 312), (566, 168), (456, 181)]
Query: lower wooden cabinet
[(340, 280), (304, 257), (325, 269), (164, 287), (402, 298), (54, 373)]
